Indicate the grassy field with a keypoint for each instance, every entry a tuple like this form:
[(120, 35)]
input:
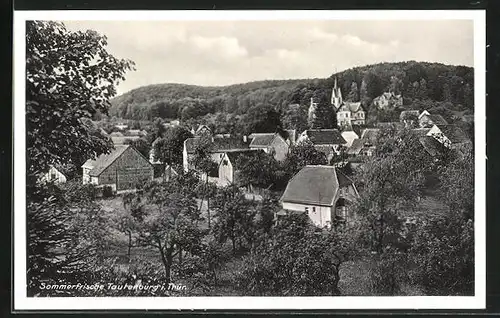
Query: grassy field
[(354, 275)]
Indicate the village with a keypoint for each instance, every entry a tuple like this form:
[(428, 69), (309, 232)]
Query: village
[(323, 192), (352, 183)]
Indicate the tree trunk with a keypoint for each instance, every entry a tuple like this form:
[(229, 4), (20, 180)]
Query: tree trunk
[(208, 211), (129, 245), (166, 258)]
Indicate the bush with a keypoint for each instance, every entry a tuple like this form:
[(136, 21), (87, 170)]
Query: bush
[(388, 274), (107, 192)]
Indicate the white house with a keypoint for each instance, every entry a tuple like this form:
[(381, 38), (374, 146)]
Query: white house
[(54, 175), (324, 193), (350, 114), (272, 143)]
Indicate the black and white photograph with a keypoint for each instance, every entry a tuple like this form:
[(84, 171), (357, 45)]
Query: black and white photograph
[(170, 160)]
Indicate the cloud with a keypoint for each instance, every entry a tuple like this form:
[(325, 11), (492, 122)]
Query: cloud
[(227, 52), (224, 46)]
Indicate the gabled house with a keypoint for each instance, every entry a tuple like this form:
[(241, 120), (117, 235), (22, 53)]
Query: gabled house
[(351, 114), (56, 174), (388, 100), (229, 166), (122, 169), (328, 141), (450, 136), (219, 147), (427, 120), (272, 143), (201, 131), (366, 145), (324, 193)]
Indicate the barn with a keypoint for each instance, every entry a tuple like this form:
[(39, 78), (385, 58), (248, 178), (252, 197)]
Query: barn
[(122, 169)]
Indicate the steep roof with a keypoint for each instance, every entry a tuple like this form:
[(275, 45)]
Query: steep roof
[(453, 133), (262, 140), (352, 107), (105, 160), (420, 132), (432, 146), (220, 144), (315, 185), (357, 145), (438, 119), (325, 137), (370, 134)]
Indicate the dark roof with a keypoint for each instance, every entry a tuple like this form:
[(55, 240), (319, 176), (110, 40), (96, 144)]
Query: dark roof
[(420, 132), (325, 137), (235, 155), (370, 134), (437, 119), (220, 144), (357, 145), (315, 185), (432, 146), (105, 160), (453, 133), (262, 140)]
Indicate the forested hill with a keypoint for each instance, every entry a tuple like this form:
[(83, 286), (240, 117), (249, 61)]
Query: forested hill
[(447, 89), (187, 101)]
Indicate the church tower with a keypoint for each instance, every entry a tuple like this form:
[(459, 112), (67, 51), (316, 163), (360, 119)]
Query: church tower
[(336, 100)]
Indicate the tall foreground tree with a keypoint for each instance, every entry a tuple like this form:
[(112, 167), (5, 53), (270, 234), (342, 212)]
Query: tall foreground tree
[(69, 77)]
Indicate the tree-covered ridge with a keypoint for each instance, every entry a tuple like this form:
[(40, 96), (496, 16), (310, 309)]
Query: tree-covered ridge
[(422, 85), (189, 101)]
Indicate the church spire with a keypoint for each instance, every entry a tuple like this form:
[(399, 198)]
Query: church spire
[(336, 100)]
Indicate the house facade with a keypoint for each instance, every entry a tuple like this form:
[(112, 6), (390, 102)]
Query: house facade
[(272, 143), (54, 175), (351, 114), (228, 166), (219, 147), (388, 100), (328, 141), (324, 193), (122, 169)]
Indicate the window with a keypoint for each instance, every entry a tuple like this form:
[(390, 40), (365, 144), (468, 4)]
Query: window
[(307, 209), (224, 162), (314, 209)]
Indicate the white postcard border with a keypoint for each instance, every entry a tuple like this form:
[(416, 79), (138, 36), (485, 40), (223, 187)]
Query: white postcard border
[(22, 302)]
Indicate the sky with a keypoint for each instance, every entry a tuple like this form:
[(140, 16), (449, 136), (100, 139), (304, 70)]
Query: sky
[(217, 53)]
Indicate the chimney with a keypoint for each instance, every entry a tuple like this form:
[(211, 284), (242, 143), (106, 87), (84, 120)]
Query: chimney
[(244, 138)]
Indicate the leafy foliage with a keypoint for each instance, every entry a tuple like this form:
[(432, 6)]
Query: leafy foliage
[(298, 260), (69, 77)]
